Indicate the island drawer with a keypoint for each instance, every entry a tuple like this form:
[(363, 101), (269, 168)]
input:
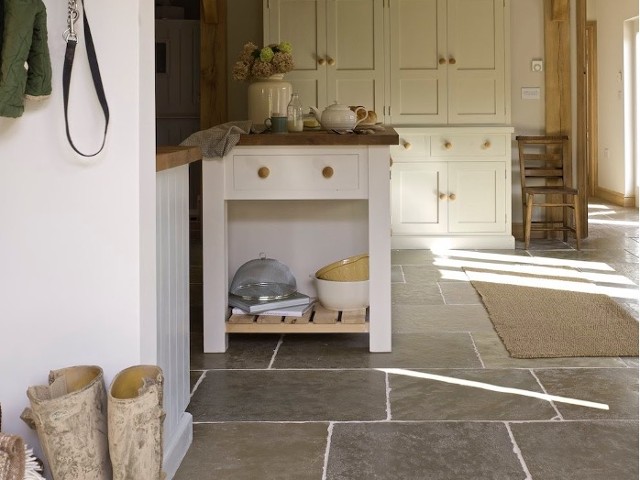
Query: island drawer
[(279, 175)]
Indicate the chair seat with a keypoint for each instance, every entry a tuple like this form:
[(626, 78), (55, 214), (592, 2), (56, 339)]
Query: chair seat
[(550, 190)]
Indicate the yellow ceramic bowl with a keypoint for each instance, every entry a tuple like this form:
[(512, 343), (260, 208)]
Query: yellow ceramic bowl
[(352, 269)]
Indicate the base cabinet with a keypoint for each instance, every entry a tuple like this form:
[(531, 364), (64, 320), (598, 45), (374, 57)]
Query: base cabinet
[(450, 187)]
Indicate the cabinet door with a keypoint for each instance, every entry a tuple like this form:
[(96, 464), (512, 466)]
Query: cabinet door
[(475, 42), (416, 207), (479, 204), (303, 23), (355, 53), (417, 45)]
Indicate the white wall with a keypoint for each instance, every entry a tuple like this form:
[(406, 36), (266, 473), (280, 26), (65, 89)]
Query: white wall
[(77, 237), (610, 17)]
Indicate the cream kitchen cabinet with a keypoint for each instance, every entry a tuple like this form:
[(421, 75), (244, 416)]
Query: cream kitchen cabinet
[(448, 62), (451, 188), (338, 47)]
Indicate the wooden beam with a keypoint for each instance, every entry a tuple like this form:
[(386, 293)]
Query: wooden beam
[(213, 66), (557, 48), (209, 11), (560, 10)]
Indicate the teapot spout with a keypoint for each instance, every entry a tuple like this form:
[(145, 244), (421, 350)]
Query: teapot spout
[(316, 113)]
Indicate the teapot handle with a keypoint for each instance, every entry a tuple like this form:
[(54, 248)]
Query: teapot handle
[(363, 118)]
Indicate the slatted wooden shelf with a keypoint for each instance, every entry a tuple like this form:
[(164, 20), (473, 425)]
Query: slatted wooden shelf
[(317, 320)]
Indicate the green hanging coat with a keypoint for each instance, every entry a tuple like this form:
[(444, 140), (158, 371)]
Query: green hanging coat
[(25, 65)]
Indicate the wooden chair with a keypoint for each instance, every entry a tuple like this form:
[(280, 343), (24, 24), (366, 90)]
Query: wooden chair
[(545, 173)]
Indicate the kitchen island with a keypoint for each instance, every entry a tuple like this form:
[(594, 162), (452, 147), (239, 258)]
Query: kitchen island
[(306, 199)]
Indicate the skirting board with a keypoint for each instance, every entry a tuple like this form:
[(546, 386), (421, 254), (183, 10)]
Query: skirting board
[(436, 242), (176, 448), (616, 198)]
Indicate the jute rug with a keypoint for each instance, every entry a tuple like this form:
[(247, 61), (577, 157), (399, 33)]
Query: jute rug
[(543, 323)]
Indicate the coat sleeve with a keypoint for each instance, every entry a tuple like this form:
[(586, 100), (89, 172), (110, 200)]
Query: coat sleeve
[(39, 61)]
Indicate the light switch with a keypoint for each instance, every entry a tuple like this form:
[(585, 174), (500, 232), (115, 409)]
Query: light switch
[(536, 65), (530, 93)]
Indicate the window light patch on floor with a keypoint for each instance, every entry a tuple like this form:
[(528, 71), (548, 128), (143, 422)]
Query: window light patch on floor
[(495, 388), (541, 272)]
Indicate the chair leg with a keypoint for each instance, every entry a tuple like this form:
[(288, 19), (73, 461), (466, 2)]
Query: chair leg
[(577, 218), (527, 221)]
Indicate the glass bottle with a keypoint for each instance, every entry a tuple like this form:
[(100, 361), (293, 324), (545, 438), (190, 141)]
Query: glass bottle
[(294, 114)]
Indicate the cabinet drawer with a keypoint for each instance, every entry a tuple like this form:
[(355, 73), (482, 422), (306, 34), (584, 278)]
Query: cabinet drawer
[(410, 145), (290, 173), (468, 145)]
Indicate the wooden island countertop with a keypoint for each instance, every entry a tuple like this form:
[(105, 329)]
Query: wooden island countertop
[(386, 136)]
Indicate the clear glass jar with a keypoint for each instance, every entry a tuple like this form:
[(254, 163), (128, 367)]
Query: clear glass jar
[(294, 114)]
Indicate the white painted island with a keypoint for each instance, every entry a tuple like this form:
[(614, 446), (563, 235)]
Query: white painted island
[(306, 199)]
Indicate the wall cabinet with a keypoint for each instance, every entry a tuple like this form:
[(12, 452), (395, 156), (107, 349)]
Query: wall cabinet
[(412, 61), (338, 49), (451, 187), (447, 62)]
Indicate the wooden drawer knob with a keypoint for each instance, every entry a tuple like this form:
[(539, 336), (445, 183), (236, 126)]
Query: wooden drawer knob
[(263, 172), (407, 145), (327, 172), (447, 145), (486, 145), (452, 196), (331, 61), (442, 61), (321, 61), (452, 61), (442, 196)]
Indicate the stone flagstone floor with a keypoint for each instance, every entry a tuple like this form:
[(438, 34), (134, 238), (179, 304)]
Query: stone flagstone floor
[(321, 407)]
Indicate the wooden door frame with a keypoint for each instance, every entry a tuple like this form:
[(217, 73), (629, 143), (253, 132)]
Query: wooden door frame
[(591, 47), (213, 63), (582, 118)]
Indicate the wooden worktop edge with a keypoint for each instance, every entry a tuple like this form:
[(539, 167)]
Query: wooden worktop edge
[(176, 156)]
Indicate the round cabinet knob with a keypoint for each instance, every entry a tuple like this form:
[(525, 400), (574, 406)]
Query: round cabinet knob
[(407, 145), (331, 61), (452, 196), (448, 145), (452, 61), (486, 145), (443, 196), (442, 61), (321, 61), (327, 172), (263, 172)]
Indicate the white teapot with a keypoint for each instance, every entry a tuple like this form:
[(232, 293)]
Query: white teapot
[(339, 117)]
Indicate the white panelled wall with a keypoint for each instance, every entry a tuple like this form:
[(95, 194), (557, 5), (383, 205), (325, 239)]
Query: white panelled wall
[(78, 236)]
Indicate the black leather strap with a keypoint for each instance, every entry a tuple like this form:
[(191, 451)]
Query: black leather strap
[(95, 74)]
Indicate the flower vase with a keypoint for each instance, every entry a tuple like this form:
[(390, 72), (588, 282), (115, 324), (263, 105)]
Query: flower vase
[(267, 97)]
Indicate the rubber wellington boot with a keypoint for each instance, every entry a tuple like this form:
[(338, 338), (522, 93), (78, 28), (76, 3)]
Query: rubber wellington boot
[(70, 417), (135, 423)]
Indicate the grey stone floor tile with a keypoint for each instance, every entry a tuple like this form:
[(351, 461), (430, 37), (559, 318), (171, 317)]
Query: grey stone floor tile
[(495, 355), (435, 350), (422, 275), (289, 395), (415, 294), (245, 351), (411, 257), (605, 256), (630, 361), (427, 399), (397, 275), (616, 387), (255, 451), (598, 450), (194, 376), (418, 451), (440, 318)]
